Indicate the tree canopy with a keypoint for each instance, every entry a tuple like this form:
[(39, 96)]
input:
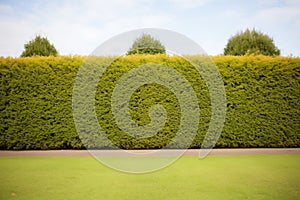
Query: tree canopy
[(251, 42), (39, 46), (146, 44)]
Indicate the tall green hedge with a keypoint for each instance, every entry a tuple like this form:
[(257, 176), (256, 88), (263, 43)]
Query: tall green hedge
[(36, 103), (263, 108)]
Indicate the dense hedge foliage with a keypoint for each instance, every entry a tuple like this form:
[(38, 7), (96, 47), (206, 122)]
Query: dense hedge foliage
[(263, 101), (263, 108), (36, 103)]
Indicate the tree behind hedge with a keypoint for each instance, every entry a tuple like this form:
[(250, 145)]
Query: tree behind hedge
[(251, 42), (146, 44), (39, 46)]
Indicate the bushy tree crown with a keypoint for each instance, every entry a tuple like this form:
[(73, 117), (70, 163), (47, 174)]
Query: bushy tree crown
[(39, 46), (251, 42), (146, 44)]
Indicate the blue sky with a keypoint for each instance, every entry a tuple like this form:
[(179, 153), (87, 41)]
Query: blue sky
[(78, 27)]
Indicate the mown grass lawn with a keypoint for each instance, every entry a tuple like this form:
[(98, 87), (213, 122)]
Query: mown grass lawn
[(215, 177)]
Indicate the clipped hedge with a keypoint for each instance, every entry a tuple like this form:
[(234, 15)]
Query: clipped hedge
[(263, 108), (36, 103), (262, 100)]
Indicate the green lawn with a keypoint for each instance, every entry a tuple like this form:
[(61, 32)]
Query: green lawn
[(215, 177)]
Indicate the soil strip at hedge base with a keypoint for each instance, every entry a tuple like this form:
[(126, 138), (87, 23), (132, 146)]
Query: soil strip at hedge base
[(190, 152)]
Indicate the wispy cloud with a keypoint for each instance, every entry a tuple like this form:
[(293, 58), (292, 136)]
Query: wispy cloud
[(187, 4), (78, 27), (74, 28), (282, 22)]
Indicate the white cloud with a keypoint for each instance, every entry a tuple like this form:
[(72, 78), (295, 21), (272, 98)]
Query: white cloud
[(269, 2), (282, 22), (78, 27), (187, 4), (279, 15), (4, 9), (75, 28)]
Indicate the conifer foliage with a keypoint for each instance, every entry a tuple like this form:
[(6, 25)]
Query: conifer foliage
[(251, 42), (39, 46), (146, 44)]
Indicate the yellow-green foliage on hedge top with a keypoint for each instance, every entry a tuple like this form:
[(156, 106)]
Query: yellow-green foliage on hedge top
[(263, 108)]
